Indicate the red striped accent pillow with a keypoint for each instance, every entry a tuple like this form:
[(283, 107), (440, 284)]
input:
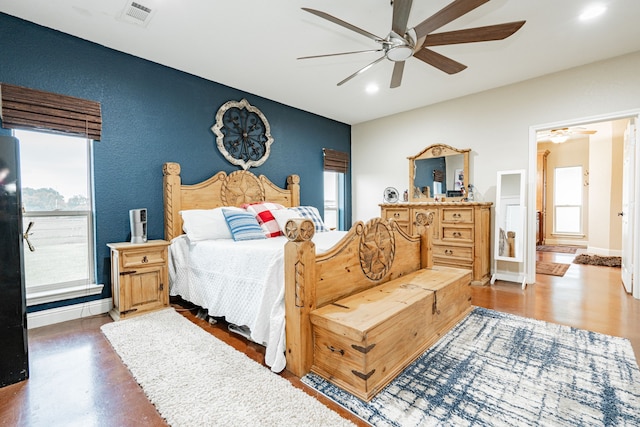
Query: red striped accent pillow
[(264, 215)]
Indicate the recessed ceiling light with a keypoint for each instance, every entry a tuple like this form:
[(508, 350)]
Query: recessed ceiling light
[(592, 12), (372, 88)]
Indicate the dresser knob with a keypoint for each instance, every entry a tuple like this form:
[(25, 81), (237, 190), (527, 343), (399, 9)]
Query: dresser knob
[(457, 234), (448, 252), (145, 259)]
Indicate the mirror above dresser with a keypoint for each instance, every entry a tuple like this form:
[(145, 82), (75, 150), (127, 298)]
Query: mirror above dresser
[(439, 171)]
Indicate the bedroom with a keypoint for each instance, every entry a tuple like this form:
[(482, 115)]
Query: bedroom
[(128, 87)]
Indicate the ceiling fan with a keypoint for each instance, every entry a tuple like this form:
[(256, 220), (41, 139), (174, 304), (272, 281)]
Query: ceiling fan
[(402, 42), (561, 135)]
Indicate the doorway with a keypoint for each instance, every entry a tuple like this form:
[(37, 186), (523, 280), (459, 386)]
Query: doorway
[(602, 231)]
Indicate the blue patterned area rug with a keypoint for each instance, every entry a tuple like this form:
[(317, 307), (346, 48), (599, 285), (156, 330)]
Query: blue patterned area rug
[(496, 369)]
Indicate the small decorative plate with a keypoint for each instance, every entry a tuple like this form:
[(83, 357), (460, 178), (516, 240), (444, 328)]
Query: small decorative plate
[(391, 195)]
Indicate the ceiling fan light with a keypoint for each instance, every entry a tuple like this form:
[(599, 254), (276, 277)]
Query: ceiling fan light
[(559, 139), (399, 53)]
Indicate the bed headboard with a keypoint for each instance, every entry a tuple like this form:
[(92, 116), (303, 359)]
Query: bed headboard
[(221, 189)]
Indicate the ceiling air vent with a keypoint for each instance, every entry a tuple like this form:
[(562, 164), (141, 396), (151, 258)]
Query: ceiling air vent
[(137, 13)]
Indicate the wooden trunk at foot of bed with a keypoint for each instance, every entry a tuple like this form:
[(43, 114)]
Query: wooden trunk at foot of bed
[(370, 254)]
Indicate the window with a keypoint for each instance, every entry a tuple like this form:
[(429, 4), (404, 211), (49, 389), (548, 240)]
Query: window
[(567, 200), (331, 199), (55, 173), (336, 165)]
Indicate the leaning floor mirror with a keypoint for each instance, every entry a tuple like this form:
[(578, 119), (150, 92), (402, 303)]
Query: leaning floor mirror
[(510, 227)]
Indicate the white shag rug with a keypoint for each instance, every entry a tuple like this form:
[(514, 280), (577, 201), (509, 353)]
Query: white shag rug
[(193, 378)]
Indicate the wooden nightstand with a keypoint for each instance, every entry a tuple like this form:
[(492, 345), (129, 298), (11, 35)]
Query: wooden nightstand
[(139, 277)]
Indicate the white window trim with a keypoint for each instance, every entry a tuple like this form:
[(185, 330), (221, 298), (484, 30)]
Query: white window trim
[(53, 292)]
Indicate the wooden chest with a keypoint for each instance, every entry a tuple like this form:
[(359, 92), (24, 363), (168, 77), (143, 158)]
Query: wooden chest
[(363, 341)]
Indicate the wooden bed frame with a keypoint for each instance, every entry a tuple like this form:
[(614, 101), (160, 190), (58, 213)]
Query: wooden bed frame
[(370, 254)]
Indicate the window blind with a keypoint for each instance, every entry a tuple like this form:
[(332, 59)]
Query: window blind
[(335, 161), (25, 108)]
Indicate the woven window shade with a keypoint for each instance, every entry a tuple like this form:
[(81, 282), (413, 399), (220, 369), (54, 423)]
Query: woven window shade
[(24, 108), (335, 161)]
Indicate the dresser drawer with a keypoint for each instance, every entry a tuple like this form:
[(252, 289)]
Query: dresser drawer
[(457, 234), (457, 215), (143, 257), (399, 215), (453, 252)]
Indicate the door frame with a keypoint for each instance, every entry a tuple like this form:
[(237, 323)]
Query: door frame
[(531, 190)]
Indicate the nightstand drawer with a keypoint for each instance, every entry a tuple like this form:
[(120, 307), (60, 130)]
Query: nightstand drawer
[(457, 215), (457, 252), (143, 257)]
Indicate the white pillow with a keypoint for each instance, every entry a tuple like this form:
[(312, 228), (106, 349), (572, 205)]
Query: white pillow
[(284, 215), (206, 224)]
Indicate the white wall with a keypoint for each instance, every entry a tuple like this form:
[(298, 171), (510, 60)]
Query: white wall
[(494, 124)]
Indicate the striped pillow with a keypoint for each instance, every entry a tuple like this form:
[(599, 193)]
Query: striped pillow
[(243, 225), (312, 213), (263, 212)]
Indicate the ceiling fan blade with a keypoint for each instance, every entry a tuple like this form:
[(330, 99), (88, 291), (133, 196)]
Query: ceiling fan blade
[(396, 77), (343, 23), (341, 53), (445, 15), (401, 10), (472, 35), (441, 62), (361, 70)]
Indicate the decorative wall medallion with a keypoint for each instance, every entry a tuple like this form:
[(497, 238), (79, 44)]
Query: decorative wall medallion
[(243, 134), (377, 249)]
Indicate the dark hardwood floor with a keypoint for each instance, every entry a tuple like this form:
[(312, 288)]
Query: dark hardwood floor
[(77, 379)]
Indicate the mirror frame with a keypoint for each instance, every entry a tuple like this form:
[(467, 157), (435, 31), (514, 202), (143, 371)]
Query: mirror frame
[(433, 151), (504, 199)]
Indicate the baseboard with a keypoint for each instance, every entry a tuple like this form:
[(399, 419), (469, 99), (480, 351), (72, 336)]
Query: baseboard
[(565, 242), (38, 319), (603, 251)]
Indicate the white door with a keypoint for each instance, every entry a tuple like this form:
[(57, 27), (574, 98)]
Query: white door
[(628, 206)]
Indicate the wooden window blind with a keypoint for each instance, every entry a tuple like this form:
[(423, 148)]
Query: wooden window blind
[(25, 108), (335, 161)]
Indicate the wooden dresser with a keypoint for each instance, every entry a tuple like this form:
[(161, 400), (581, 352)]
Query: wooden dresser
[(461, 233)]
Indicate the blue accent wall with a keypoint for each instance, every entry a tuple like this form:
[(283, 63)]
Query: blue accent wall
[(153, 114)]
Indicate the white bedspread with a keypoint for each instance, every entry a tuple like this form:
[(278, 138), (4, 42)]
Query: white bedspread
[(242, 281)]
